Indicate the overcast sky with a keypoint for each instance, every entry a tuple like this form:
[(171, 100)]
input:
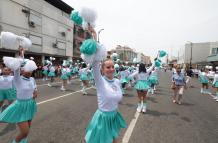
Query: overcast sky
[(151, 25)]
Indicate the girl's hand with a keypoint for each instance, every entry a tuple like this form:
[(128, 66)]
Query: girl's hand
[(35, 94)]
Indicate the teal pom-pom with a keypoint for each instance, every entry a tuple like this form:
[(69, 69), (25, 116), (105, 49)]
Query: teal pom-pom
[(88, 47), (157, 63), (162, 53), (76, 17)]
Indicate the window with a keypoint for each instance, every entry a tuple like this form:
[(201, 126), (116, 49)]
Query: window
[(214, 51)]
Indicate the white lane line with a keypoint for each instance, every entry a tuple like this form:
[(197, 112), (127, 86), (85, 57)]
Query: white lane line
[(129, 130), (61, 96), (55, 82), (47, 84)]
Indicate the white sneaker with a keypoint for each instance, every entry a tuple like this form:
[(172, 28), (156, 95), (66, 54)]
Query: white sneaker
[(84, 93), (143, 109), (139, 108), (216, 100), (215, 97), (49, 85), (63, 89)]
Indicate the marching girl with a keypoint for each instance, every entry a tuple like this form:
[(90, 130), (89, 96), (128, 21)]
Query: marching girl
[(204, 81), (153, 79), (107, 121), (64, 76), (179, 83), (142, 85), (116, 73), (84, 77), (68, 68), (45, 72), (7, 90), (24, 108), (215, 84), (124, 80), (51, 74)]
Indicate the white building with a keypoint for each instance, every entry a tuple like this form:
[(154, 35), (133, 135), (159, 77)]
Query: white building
[(197, 53), (45, 22)]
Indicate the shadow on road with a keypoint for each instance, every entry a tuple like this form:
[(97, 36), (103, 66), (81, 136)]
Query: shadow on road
[(7, 129), (158, 114)]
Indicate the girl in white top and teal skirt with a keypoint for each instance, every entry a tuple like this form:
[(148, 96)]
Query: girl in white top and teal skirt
[(215, 84), (23, 110), (124, 80), (45, 72), (7, 90), (64, 77), (142, 85), (153, 79), (107, 121), (84, 77), (204, 80), (51, 74)]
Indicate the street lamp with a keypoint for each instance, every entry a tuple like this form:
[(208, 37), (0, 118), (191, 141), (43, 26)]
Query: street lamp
[(190, 53), (99, 34)]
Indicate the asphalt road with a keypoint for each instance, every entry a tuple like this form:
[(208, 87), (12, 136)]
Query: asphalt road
[(63, 116)]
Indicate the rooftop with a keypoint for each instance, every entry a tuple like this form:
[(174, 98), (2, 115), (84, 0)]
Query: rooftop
[(60, 5)]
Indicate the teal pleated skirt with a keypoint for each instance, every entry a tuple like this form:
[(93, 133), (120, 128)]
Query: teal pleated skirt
[(51, 74), (45, 72), (142, 85), (19, 111), (124, 80), (203, 80), (69, 74), (153, 80), (7, 94), (216, 84), (64, 77), (104, 127), (84, 77)]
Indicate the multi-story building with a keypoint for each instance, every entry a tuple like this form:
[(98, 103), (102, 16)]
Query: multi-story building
[(125, 53), (213, 57), (196, 53), (141, 58), (45, 22), (79, 36)]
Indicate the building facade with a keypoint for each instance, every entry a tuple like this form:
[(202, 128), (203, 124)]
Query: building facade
[(141, 58), (213, 57), (79, 36), (45, 22), (196, 53), (125, 53)]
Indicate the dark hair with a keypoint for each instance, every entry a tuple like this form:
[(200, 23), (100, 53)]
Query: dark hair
[(142, 68), (84, 65)]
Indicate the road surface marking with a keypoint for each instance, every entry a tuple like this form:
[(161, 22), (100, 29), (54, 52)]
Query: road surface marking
[(129, 130), (61, 96)]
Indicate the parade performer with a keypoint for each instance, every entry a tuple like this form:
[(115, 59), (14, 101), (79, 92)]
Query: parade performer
[(179, 83), (51, 73), (83, 72), (153, 79), (7, 90), (64, 76), (204, 81), (142, 85), (124, 79), (45, 71), (24, 108), (215, 84)]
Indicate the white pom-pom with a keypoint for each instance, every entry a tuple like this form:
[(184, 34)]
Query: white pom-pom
[(210, 67), (116, 66), (85, 25), (89, 59), (31, 58), (12, 63), (9, 40), (207, 67), (24, 42), (51, 58), (217, 68), (30, 66), (88, 14), (101, 53)]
